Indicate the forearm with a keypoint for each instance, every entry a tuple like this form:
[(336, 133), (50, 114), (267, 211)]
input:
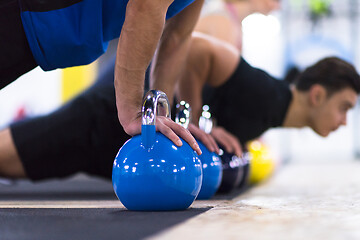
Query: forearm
[(189, 89), (142, 29), (169, 61), (168, 66), (141, 32)]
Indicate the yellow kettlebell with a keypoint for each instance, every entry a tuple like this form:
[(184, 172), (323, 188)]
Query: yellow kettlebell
[(262, 163)]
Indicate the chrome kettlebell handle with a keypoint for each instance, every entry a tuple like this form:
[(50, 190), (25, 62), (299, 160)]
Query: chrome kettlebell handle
[(205, 122), (183, 111), (152, 100)]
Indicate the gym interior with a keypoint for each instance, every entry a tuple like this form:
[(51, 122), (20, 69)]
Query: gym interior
[(296, 185)]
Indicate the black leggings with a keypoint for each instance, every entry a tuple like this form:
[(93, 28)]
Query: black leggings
[(15, 54), (82, 136)]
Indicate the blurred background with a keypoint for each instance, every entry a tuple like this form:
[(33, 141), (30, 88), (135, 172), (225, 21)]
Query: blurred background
[(299, 34)]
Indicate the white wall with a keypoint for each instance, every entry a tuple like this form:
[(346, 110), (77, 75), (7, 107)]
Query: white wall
[(38, 92)]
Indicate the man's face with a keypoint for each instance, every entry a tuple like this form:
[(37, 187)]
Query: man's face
[(330, 113), (265, 6)]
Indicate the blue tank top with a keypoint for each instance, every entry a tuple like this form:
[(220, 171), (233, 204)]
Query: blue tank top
[(64, 33)]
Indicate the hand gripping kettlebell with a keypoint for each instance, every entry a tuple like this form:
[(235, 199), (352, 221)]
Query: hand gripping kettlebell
[(210, 161), (151, 173)]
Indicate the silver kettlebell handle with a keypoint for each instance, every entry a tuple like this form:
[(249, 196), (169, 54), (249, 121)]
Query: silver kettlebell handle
[(183, 111), (205, 122), (154, 99)]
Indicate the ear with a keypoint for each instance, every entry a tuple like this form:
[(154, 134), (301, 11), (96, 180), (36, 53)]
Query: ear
[(317, 95)]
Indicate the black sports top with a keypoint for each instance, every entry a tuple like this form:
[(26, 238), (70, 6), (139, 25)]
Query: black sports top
[(249, 103)]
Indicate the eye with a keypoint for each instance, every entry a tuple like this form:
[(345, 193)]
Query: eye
[(344, 108)]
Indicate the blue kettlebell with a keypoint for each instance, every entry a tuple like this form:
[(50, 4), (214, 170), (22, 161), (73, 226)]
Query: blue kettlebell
[(234, 169), (210, 161), (151, 173)]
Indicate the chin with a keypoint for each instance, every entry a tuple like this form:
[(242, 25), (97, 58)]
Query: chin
[(322, 134), (325, 134)]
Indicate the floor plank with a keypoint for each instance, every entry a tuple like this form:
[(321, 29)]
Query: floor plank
[(300, 202)]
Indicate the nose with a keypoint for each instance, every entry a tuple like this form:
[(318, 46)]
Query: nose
[(344, 121)]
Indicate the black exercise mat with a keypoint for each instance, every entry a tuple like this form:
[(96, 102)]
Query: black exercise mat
[(78, 223), (70, 189), (87, 224)]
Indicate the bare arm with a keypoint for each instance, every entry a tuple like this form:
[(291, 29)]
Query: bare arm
[(209, 61), (169, 60), (142, 29), (140, 34)]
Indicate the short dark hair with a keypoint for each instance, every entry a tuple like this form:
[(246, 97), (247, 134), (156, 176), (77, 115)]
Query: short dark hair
[(332, 73), (292, 74)]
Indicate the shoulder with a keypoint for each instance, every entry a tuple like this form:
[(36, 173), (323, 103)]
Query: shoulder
[(215, 20), (214, 8), (213, 23), (256, 81)]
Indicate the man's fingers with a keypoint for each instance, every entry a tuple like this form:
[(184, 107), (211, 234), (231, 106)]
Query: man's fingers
[(169, 133), (205, 138), (213, 143), (224, 141), (236, 146), (172, 130), (227, 140)]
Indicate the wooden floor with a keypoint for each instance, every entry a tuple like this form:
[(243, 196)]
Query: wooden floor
[(301, 201)]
